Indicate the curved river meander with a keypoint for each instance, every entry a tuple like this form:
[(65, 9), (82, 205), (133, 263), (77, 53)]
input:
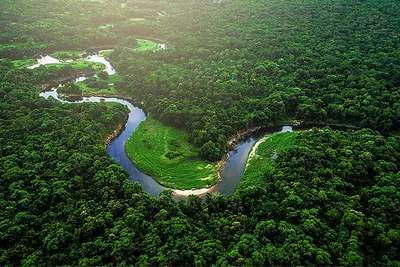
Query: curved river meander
[(230, 175)]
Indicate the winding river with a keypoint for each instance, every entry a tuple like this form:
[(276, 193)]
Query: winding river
[(230, 175)]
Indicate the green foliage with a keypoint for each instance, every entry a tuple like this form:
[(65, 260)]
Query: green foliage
[(146, 45), (23, 63), (95, 85), (210, 151), (165, 153), (68, 25), (106, 53), (332, 197), (331, 175), (78, 65), (262, 160), (69, 88), (92, 82), (255, 63), (66, 55)]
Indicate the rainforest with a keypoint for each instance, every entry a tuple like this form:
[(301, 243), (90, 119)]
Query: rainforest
[(199, 133)]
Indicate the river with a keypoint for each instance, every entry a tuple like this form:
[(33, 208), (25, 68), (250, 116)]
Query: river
[(230, 175)]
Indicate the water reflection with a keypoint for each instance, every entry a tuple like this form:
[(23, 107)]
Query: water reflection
[(100, 59), (44, 60)]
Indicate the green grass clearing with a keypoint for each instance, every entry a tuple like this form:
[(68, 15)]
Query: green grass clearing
[(137, 19), (10, 46), (65, 55), (113, 78), (106, 53), (109, 90), (261, 163), (24, 63), (89, 90), (107, 26), (166, 154), (146, 45), (79, 65)]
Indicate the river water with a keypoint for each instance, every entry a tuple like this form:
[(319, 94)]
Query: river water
[(230, 175), (44, 60)]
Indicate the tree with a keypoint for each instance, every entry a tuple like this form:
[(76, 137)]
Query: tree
[(210, 151)]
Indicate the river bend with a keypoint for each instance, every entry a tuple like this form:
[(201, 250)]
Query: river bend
[(230, 175)]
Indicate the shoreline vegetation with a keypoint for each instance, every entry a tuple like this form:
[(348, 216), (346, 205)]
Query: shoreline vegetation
[(57, 81), (261, 159), (118, 130), (143, 45)]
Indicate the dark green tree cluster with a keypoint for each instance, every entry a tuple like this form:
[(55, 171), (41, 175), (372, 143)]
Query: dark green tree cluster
[(254, 63), (69, 88), (45, 75), (340, 191), (332, 200), (46, 25), (95, 83)]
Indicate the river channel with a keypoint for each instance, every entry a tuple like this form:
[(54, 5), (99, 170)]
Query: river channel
[(233, 167)]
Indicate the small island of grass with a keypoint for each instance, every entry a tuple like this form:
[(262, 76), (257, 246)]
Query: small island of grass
[(146, 45), (23, 63), (78, 65), (103, 84), (166, 154), (137, 19), (66, 55)]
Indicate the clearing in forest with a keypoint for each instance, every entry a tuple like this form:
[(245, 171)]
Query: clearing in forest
[(166, 154)]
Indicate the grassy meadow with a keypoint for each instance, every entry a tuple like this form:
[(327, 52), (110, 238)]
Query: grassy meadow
[(137, 19), (106, 53), (146, 45), (109, 90), (166, 154), (79, 65), (65, 55), (24, 63)]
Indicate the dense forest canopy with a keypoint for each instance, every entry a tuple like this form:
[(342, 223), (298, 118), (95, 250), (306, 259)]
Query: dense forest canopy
[(253, 63), (333, 196)]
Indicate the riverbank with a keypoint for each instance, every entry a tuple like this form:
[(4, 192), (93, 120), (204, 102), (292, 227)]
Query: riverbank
[(94, 48), (261, 161), (57, 81), (244, 134), (240, 135), (118, 130), (272, 127)]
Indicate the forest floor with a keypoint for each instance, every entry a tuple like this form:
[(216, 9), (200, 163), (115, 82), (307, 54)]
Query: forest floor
[(261, 161), (166, 154)]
